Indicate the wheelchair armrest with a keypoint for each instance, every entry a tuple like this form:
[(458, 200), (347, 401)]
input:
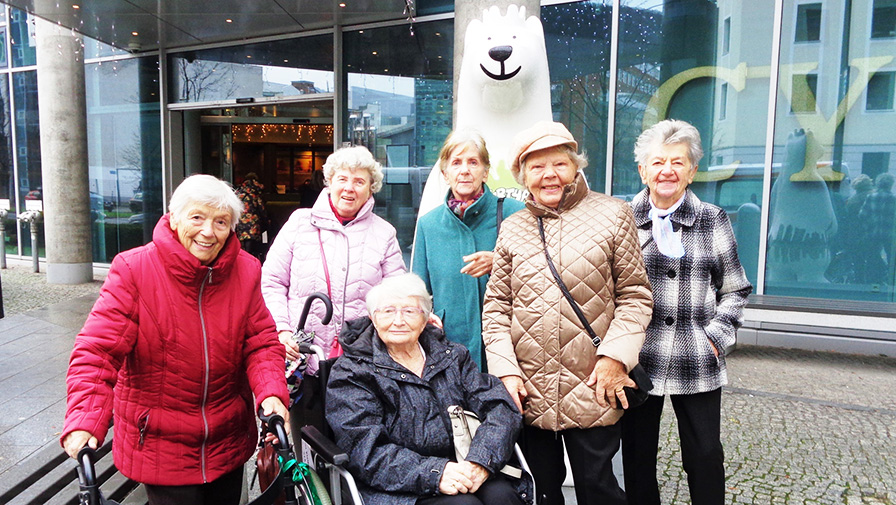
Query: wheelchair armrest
[(323, 446)]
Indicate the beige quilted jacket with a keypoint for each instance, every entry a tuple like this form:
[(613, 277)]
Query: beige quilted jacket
[(530, 330)]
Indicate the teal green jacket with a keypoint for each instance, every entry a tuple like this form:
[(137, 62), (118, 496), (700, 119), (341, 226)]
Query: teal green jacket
[(442, 240)]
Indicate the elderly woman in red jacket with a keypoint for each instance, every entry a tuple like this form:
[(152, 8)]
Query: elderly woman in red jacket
[(181, 349)]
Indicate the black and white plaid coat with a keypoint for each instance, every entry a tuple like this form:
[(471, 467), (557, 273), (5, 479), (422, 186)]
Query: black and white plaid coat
[(697, 299)]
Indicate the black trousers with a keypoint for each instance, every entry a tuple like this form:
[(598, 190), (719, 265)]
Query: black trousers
[(495, 491), (224, 490), (702, 455), (590, 454)]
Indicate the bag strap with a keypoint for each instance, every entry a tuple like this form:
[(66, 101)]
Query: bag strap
[(500, 217), (575, 306), (323, 257)]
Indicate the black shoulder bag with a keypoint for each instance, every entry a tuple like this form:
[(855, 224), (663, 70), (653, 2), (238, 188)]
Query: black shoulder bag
[(500, 214), (634, 396)]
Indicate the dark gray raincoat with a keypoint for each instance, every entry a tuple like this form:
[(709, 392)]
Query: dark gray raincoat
[(395, 425)]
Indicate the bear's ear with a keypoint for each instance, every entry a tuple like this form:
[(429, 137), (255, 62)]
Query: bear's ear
[(533, 24)]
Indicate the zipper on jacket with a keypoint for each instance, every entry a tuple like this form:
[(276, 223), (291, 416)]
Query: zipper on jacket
[(142, 424), (205, 378)]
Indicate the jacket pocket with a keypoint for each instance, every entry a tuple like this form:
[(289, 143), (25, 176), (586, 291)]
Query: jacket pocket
[(707, 345)]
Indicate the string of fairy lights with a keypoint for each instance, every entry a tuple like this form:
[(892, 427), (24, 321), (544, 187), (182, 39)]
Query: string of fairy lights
[(317, 133)]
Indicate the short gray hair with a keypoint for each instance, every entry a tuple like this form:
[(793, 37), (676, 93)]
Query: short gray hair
[(355, 158), (669, 131), (463, 137), (578, 159), (399, 286), (201, 189)]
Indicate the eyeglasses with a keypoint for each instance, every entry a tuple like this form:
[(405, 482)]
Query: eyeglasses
[(386, 314)]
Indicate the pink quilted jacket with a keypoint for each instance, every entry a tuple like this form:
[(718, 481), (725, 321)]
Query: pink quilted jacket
[(357, 256)]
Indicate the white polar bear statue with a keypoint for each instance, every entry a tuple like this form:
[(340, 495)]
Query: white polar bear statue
[(504, 87)]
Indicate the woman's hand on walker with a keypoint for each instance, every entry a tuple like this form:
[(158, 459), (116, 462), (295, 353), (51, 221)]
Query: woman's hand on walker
[(273, 405), (77, 439)]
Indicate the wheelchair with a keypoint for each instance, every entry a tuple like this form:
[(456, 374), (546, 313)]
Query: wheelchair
[(313, 435), (321, 453)]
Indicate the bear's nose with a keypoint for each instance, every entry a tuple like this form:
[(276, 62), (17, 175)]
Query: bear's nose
[(500, 53)]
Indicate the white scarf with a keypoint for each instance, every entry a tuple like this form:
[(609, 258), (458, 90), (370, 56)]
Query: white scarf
[(667, 241)]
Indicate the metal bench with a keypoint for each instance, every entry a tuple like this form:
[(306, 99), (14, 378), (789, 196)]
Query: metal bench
[(50, 477)]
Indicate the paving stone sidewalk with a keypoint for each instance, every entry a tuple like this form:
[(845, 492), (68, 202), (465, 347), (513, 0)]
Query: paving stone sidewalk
[(800, 427)]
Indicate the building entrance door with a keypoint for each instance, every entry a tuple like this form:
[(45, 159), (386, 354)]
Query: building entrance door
[(283, 146)]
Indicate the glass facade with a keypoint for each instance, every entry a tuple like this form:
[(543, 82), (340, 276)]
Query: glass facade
[(277, 69), (802, 155), (21, 38), (706, 63), (27, 150), (124, 151), (832, 210), (400, 95), (577, 38)]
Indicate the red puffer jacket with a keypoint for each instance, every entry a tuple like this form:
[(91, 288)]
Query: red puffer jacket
[(184, 346)]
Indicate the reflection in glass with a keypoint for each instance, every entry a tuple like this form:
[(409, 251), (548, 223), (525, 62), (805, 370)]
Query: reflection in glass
[(577, 37), (7, 176), (832, 219), (96, 49), (4, 62), (808, 23), (883, 19), (880, 91), (266, 69), (400, 92), (27, 130), (21, 38), (706, 63), (124, 151)]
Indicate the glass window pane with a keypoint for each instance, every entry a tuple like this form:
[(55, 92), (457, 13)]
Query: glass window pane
[(832, 214), (266, 69), (24, 85), (124, 152), (808, 23), (577, 36), (883, 19), (726, 36), (400, 93), (805, 88), (880, 91), (95, 49), (4, 26), (7, 175), (21, 38), (672, 62)]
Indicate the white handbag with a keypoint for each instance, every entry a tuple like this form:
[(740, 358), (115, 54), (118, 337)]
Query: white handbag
[(463, 426)]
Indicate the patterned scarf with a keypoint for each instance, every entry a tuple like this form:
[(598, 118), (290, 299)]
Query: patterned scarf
[(667, 240), (459, 206)]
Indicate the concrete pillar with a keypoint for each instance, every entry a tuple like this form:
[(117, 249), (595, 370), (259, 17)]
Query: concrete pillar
[(63, 150), (467, 10)]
